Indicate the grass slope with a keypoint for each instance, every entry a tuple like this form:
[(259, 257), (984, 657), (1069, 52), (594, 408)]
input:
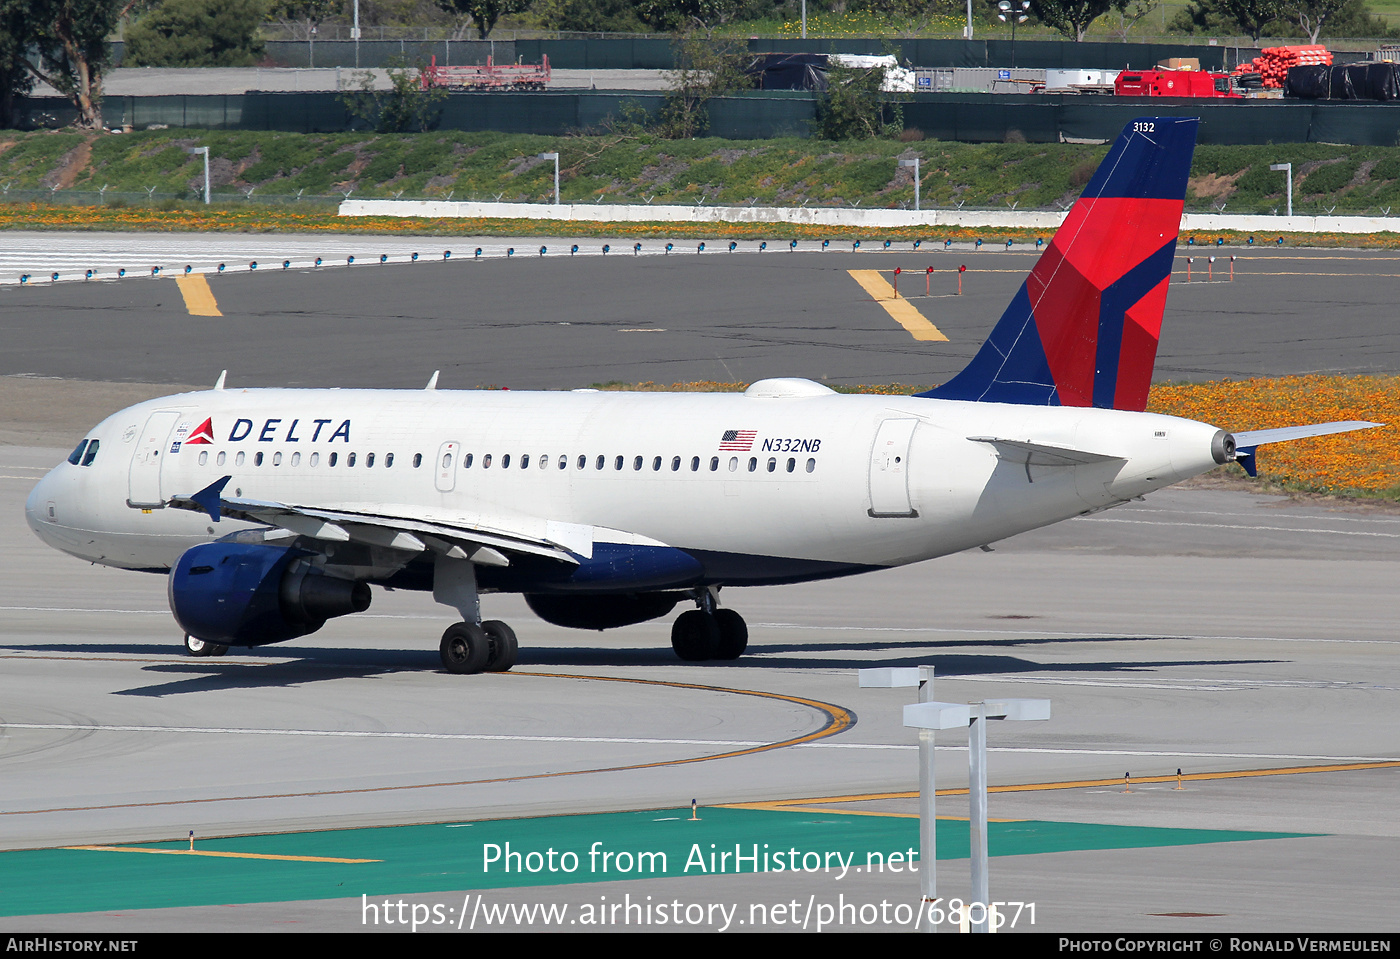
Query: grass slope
[(787, 172)]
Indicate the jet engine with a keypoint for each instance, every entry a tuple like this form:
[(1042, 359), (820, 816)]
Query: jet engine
[(605, 611), (240, 594)]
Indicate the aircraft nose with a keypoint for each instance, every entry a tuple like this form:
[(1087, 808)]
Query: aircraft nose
[(44, 511)]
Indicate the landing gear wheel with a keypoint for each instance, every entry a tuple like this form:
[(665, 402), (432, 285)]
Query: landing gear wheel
[(503, 646), (733, 634), (695, 636), (464, 648), (198, 647)]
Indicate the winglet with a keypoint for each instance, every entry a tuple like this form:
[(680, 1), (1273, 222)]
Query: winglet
[(210, 498), (432, 383), (220, 384)]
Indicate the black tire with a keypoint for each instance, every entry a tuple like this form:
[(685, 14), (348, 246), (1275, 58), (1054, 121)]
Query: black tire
[(464, 648), (733, 634), (199, 647), (695, 636), (504, 647)]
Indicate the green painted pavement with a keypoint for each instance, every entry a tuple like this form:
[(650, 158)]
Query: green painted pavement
[(446, 857)]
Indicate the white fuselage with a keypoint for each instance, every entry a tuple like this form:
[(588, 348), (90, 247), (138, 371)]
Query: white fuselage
[(841, 482)]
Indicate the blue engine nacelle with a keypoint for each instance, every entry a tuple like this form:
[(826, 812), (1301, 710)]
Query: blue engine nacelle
[(240, 594)]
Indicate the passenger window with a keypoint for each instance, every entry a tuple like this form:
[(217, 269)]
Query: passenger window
[(257, 459), (315, 459), (91, 453), (349, 460), (388, 459), (505, 462), (544, 461), (675, 463), (296, 459), (238, 460), (220, 458), (753, 463), (602, 460), (466, 461), (791, 464), (417, 460), (582, 460), (733, 463), (656, 463), (617, 465), (277, 459), (203, 457), (369, 460), (486, 462), (811, 465), (525, 461), (714, 463), (332, 459), (637, 463), (76, 456), (564, 461), (695, 464), (772, 463)]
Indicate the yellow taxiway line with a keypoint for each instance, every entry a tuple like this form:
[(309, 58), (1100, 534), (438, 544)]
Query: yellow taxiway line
[(896, 306), (199, 299), (222, 855)]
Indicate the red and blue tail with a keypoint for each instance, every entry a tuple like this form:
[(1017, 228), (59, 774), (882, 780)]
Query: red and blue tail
[(1083, 329)]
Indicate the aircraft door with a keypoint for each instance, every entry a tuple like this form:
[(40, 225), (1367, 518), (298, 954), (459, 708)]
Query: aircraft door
[(143, 479), (446, 466), (889, 469)]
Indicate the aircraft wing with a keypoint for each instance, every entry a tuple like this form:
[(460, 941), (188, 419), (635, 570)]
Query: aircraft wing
[(480, 543), (1250, 440)]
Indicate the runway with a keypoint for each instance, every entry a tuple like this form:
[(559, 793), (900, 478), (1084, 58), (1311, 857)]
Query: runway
[(1220, 632)]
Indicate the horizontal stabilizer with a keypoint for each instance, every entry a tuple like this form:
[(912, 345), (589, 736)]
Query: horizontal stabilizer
[(1040, 454), (1247, 442)]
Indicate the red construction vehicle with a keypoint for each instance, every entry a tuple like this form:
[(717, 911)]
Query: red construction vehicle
[(490, 76), (1175, 83)]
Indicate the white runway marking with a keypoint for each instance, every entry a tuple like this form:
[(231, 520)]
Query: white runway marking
[(1270, 529), (635, 741)]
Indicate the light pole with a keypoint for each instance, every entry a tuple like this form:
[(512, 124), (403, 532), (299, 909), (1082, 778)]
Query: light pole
[(555, 158), (1287, 170), (205, 151), (967, 30), (355, 34), (1006, 7), (915, 164), (804, 19)]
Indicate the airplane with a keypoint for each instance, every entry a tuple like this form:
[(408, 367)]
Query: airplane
[(271, 511)]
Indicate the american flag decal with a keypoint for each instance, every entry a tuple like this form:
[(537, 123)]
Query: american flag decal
[(739, 441)]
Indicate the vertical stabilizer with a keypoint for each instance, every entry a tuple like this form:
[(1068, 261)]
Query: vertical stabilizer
[(1083, 328)]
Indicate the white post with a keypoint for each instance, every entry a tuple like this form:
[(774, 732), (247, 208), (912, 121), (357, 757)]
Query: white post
[(355, 33), (967, 31), (1287, 170), (205, 151), (915, 164), (804, 19), (555, 158)]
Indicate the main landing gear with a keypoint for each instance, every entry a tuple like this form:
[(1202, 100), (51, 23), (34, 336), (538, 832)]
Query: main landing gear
[(709, 632), (469, 648)]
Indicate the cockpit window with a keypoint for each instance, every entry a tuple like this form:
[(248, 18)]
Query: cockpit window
[(91, 453), (76, 456)]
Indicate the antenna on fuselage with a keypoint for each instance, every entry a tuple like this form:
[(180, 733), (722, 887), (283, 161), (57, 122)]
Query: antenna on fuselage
[(432, 383), (220, 384)]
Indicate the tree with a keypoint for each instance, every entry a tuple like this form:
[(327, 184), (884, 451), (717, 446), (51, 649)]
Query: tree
[(484, 13), (1310, 15), (305, 14), (705, 69), (71, 39), (1249, 17), (673, 15), (587, 16), (406, 107), (1072, 17), (854, 107), (17, 31), (197, 33)]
